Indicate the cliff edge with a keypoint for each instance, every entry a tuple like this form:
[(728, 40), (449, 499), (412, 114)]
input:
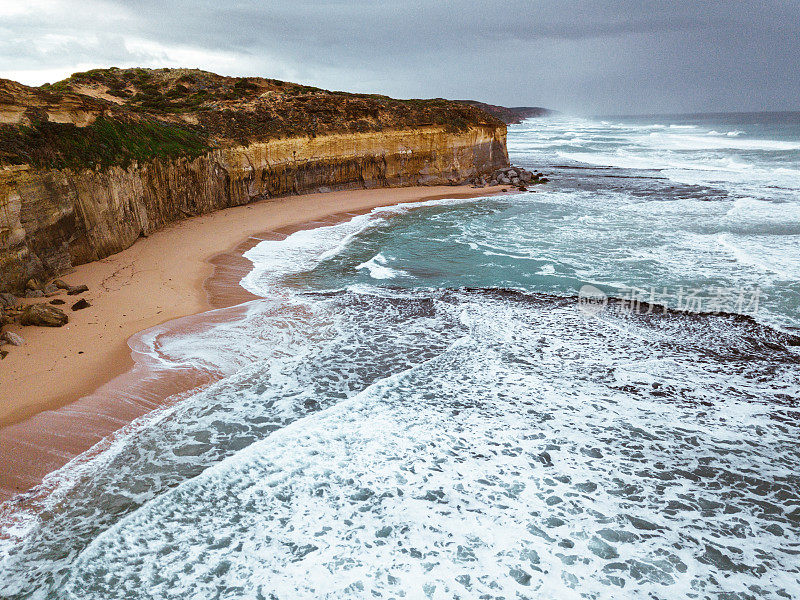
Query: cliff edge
[(513, 114), (91, 163)]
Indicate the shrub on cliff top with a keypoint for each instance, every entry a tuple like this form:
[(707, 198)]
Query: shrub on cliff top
[(106, 142)]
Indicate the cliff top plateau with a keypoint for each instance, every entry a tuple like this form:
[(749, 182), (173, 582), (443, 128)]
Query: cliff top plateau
[(115, 116)]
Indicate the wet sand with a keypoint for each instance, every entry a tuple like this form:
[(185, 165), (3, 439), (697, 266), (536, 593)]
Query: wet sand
[(68, 388)]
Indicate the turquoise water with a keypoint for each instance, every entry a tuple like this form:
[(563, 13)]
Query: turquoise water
[(421, 405), (665, 211)]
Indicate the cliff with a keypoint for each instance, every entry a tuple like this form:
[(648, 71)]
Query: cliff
[(90, 164), (510, 115)]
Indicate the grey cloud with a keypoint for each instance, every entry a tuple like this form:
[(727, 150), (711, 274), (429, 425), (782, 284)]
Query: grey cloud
[(587, 56)]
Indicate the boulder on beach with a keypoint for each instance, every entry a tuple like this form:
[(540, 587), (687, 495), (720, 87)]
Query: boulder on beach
[(34, 294), (57, 301), (9, 337), (61, 284), (74, 290), (43, 315), (81, 304)]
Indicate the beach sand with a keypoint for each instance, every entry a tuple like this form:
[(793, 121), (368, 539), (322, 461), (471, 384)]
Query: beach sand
[(62, 392)]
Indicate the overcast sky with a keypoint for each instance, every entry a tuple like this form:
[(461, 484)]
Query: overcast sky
[(581, 56)]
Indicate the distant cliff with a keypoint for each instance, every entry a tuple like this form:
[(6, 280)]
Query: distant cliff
[(510, 115), (91, 163)]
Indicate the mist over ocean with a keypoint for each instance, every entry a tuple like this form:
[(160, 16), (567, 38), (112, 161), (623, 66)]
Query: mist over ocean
[(421, 405)]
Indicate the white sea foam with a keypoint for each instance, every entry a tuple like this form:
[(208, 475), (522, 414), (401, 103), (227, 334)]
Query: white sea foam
[(378, 269), (781, 259), (688, 154), (547, 269), (478, 471), (727, 133)]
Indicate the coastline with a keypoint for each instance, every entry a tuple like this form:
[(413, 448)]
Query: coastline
[(58, 395)]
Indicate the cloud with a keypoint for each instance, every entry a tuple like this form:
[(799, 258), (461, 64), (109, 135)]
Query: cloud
[(587, 56)]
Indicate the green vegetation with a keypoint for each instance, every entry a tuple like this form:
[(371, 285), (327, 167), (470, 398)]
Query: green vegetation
[(59, 86), (106, 142)]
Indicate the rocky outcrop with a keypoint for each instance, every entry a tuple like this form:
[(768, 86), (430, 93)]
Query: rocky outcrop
[(514, 176), (20, 104), (53, 219)]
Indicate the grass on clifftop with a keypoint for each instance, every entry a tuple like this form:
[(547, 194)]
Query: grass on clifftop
[(105, 142)]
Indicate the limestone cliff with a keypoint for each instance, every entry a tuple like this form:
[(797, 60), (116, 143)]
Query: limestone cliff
[(80, 180)]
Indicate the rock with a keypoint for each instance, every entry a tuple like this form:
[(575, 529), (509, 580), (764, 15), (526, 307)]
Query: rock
[(3, 354), (602, 549), (520, 576), (61, 284), (80, 304), (515, 176), (57, 301), (34, 294), (33, 284), (43, 315), (12, 338), (8, 300), (74, 290), (51, 290)]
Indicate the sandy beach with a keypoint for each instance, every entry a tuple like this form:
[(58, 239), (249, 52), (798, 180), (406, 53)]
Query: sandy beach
[(48, 411)]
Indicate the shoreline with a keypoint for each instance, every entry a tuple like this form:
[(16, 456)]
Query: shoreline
[(61, 390)]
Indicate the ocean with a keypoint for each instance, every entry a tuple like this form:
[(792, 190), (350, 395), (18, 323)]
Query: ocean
[(587, 390)]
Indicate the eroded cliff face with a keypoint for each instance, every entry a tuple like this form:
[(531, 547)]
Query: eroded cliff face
[(51, 220)]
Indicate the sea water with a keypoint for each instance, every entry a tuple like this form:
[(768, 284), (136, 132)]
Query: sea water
[(422, 405)]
